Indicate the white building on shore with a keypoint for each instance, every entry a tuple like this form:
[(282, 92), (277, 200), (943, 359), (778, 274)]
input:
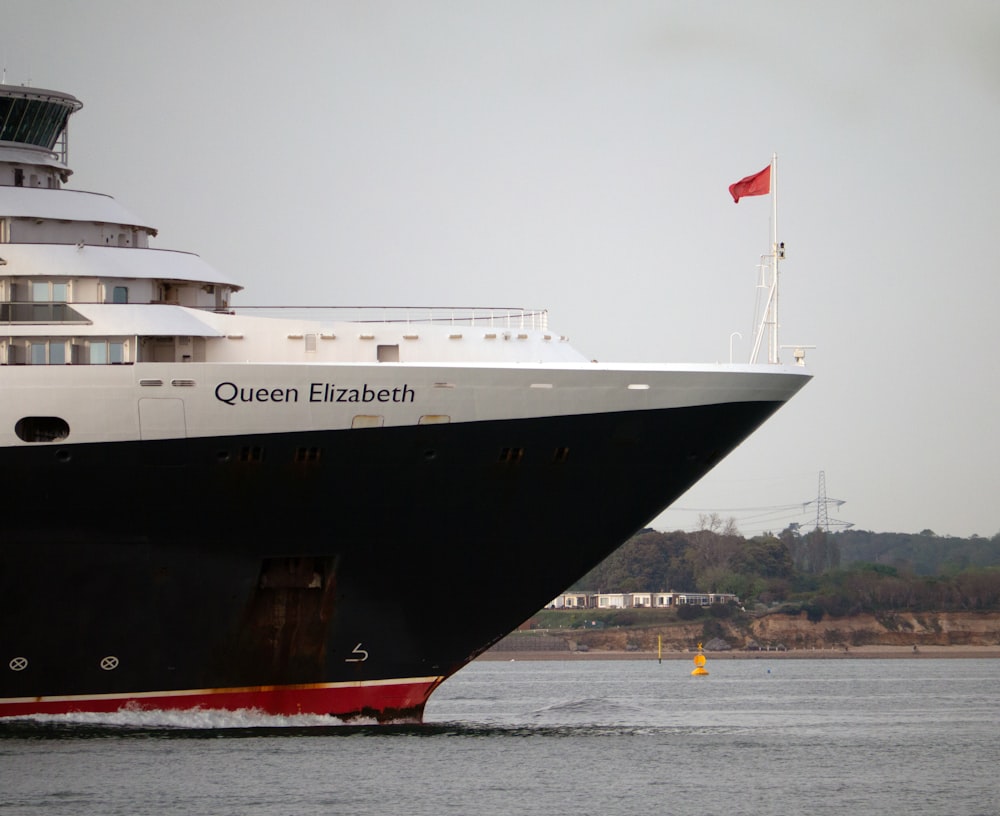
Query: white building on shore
[(639, 600)]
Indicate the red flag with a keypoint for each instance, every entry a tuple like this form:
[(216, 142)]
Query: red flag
[(757, 184)]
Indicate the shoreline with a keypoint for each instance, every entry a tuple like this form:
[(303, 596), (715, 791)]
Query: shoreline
[(852, 653)]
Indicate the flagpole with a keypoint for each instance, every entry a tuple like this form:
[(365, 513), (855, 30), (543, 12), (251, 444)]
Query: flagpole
[(769, 262), (774, 348)]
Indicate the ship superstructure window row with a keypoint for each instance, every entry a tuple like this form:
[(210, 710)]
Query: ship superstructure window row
[(32, 121), (64, 351), (23, 290), (31, 230)]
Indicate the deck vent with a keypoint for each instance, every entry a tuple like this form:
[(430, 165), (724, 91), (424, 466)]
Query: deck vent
[(455, 336), (638, 387), (295, 337), (182, 383), (444, 385), (150, 382), (234, 336), (327, 336), (541, 385), (490, 336), (411, 336), (366, 337)]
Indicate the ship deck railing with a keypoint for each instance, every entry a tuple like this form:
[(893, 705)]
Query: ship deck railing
[(492, 317)]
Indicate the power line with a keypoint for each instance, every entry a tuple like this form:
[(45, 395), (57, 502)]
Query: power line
[(755, 520)]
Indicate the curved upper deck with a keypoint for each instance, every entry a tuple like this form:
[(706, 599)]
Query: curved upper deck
[(66, 205), (70, 261)]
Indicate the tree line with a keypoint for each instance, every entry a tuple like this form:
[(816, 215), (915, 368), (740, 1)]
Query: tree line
[(836, 573)]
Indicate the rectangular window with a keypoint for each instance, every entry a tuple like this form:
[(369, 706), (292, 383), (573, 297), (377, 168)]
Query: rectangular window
[(57, 353), (116, 352), (119, 294), (98, 353), (38, 354), (46, 292)]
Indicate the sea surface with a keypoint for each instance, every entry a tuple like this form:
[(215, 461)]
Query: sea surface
[(765, 736)]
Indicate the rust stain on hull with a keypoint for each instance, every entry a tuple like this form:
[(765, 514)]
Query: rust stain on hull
[(288, 618)]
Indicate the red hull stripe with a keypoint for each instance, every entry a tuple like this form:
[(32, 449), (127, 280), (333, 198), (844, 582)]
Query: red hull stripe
[(380, 699)]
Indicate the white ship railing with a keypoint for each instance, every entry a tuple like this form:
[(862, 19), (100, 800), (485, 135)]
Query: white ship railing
[(492, 317)]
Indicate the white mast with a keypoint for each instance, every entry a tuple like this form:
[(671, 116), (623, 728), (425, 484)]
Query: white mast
[(769, 280)]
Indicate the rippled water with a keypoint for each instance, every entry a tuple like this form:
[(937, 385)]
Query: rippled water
[(755, 737)]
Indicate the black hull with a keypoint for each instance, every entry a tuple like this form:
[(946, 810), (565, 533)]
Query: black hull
[(319, 557)]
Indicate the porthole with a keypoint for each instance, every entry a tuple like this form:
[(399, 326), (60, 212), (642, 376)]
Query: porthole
[(310, 455), (41, 429), (511, 455), (252, 453)]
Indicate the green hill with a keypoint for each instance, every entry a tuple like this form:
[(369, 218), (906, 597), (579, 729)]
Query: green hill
[(826, 573)]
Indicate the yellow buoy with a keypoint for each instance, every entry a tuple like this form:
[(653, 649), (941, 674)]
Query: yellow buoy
[(699, 664)]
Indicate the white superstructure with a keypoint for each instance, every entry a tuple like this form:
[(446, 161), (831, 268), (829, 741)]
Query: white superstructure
[(86, 303)]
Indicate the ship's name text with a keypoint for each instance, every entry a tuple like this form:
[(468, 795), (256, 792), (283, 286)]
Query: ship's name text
[(231, 393)]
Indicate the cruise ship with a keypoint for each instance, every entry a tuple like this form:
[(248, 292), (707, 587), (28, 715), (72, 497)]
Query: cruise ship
[(323, 511)]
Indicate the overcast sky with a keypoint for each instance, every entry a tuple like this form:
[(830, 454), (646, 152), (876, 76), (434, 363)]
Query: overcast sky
[(576, 156)]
